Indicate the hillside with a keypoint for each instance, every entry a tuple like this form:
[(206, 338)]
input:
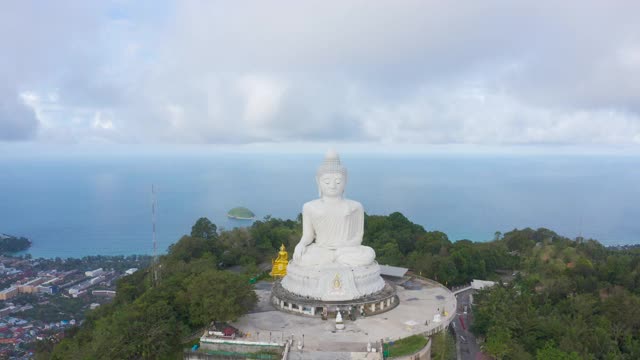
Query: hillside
[(11, 244), (241, 213), (571, 300), (577, 299)]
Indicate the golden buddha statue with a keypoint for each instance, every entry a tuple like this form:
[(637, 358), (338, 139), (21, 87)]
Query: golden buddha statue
[(279, 265)]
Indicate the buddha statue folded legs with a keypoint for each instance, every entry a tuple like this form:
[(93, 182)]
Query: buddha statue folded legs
[(349, 255), (356, 255)]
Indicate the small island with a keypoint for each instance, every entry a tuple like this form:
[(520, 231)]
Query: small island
[(12, 244), (241, 213)]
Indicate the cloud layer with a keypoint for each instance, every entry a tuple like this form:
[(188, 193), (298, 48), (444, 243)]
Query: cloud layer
[(415, 72)]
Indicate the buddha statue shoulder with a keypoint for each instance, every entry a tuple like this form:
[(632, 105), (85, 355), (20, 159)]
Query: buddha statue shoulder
[(332, 226)]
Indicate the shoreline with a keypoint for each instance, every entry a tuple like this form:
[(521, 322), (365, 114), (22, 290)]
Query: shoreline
[(21, 256)]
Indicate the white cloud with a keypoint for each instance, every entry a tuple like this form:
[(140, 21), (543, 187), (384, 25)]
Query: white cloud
[(101, 122), (262, 98), (416, 72)]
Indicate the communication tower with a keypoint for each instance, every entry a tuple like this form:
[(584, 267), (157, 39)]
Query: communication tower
[(154, 265)]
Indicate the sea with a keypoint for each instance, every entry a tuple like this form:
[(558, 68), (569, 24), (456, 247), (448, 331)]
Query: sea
[(74, 206)]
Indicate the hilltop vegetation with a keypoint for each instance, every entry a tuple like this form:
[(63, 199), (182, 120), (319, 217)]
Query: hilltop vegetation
[(149, 322), (570, 298), (398, 241), (194, 289)]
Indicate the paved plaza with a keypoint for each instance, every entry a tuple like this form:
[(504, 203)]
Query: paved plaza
[(420, 301)]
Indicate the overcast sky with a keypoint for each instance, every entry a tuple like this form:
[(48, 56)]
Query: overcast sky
[(488, 73)]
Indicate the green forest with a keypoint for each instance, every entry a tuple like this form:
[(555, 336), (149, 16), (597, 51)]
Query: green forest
[(571, 299)]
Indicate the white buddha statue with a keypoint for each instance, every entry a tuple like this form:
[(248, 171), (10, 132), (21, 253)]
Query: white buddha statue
[(330, 263), (332, 226)]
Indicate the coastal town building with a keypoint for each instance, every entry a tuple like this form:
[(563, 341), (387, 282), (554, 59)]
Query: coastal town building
[(42, 279), (8, 293), (107, 293), (94, 273), (78, 289), (48, 289), (30, 287)]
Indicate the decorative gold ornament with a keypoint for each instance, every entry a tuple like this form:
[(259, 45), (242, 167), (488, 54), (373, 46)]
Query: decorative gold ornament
[(337, 284)]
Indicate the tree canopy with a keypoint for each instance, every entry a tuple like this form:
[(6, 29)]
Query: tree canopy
[(571, 298), (146, 322)]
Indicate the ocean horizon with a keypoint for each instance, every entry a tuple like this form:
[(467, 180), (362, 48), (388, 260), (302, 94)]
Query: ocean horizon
[(73, 206)]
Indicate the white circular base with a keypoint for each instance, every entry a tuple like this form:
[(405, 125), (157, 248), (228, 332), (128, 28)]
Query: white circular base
[(333, 282)]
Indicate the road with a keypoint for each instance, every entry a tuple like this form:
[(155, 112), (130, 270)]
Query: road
[(468, 348)]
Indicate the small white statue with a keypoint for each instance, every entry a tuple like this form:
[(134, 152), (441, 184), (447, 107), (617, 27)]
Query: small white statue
[(332, 226), (339, 322)]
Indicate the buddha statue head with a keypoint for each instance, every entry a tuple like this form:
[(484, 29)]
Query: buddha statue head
[(331, 176)]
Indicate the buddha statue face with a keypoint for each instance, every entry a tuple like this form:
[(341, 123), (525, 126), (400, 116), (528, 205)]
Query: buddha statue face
[(331, 184), (331, 176)]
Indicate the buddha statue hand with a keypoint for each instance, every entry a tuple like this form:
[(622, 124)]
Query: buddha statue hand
[(298, 252)]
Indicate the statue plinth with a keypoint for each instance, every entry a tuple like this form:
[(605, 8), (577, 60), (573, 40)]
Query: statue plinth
[(333, 282)]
